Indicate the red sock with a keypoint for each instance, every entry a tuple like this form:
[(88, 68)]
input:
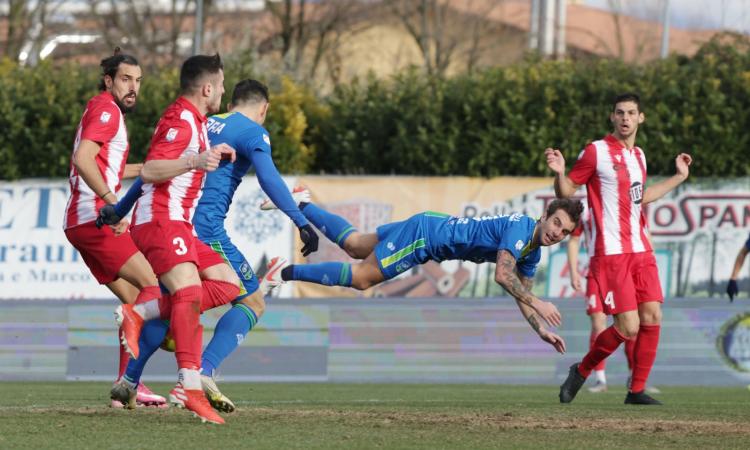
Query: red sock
[(606, 343), (185, 323), (165, 306), (630, 352), (592, 339), (124, 357), (148, 293), (217, 293), (644, 355)]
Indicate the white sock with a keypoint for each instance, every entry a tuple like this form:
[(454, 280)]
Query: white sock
[(190, 378), (148, 310), (600, 377)]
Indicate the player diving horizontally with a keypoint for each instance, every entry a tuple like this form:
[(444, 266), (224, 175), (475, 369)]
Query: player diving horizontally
[(514, 242)]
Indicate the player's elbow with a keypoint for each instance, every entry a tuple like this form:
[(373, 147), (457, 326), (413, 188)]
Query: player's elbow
[(147, 174), (501, 279)]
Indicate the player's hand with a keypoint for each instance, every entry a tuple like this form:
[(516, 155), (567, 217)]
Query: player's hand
[(575, 281), (209, 160), (682, 163), (548, 312), (107, 216), (553, 339), (732, 289), (555, 160), (309, 238), (120, 227)]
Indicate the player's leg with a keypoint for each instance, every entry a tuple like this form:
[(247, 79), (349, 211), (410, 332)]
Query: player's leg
[(598, 324), (650, 298), (127, 294)]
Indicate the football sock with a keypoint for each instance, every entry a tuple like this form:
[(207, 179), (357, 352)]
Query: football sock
[(190, 378), (630, 352), (600, 376), (124, 357), (230, 331), (152, 335), (644, 355), (217, 293), (147, 302), (185, 321), (334, 227), (606, 343), (327, 274), (592, 338)]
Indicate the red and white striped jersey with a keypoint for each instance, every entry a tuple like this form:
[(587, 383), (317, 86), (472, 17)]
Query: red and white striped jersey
[(181, 132), (585, 229), (614, 177), (103, 123)]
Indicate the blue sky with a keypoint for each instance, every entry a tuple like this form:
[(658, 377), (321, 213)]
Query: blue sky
[(722, 14)]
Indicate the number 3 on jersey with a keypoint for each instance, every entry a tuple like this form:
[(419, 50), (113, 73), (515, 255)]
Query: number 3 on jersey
[(180, 244), (609, 299)]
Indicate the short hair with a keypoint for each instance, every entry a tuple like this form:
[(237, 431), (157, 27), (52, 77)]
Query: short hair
[(573, 207), (249, 91), (628, 97), (195, 68), (111, 64)]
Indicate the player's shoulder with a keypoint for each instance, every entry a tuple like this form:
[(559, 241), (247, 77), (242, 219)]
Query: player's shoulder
[(104, 106)]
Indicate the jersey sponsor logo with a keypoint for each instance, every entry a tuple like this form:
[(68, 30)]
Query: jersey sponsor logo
[(246, 271), (171, 135), (390, 246), (636, 192), (403, 266), (104, 118), (266, 139), (519, 245)]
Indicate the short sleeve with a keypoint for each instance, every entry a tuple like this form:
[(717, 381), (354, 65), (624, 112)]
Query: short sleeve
[(585, 167), (527, 267), (170, 140), (100, 123), (514, 238)]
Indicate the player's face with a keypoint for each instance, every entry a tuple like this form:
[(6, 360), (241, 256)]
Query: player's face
[(217, 91), (125, 86), (556, 227), (625, 118)]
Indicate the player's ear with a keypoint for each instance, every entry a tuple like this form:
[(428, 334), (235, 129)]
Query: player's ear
[(108, 82), (641, 118)]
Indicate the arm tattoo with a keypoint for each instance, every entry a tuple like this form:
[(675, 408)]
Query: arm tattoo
[(534, 322), (506, 264)]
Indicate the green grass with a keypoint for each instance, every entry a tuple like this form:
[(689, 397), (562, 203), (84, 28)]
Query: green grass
[(353, 416)]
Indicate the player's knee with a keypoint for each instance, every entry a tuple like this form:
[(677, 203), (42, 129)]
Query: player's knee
[(651, 317), (362, 283), (629, 330), (352, 248), (255, 302)]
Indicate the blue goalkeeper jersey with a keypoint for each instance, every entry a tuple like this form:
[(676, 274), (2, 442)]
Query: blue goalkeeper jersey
[(479, 239), (253, 146)]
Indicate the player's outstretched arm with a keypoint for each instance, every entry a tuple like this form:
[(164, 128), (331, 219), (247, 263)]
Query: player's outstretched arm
[(660, 189), (132, 171), (564, 186), (160, 170), (535, 322), (732, 288), (505, 276), (84, 159)]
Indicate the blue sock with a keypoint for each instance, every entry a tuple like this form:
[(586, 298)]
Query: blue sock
[(230, 331), (152, 335), (328, 273), (335, 228)]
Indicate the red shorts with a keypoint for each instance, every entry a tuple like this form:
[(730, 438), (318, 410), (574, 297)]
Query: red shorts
[(166, 244), (593, 301), (102, 251), (624, 281)]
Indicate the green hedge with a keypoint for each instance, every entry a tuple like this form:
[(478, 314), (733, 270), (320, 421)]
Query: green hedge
[(495, 122)]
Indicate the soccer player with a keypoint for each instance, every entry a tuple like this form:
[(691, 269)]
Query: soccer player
[(193, 273), (513, 242), (98, 164), (623, 267), (732, 288), (242, 129)]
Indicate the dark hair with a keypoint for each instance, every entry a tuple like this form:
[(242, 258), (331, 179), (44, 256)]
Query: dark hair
[(573, 207), (195, 68), (111, 64), (627, 97), (249, 91)]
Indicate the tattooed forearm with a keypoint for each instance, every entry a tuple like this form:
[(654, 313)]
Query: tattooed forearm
[(505, 274), (534, 322)]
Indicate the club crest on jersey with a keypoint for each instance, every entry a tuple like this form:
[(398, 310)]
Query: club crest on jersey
[(266, 139), (171, 134), (636, 192), (519, 245), (104, 118)]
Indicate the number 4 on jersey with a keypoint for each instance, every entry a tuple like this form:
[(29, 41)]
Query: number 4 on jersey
[(609, 299)]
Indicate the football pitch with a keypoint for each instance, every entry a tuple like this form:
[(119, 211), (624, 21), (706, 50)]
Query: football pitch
[(388, 416)]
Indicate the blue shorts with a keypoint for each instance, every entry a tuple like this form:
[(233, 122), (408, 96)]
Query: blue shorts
[(232, 255), (403, 245)]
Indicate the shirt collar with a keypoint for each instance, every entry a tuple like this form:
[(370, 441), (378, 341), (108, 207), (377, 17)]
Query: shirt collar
[(185, 103)]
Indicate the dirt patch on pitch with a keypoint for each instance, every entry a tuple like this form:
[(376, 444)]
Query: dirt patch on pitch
[(506, 421)]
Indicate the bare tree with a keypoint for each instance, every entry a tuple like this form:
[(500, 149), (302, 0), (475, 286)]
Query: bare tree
[(155, 31), (28, 26)]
